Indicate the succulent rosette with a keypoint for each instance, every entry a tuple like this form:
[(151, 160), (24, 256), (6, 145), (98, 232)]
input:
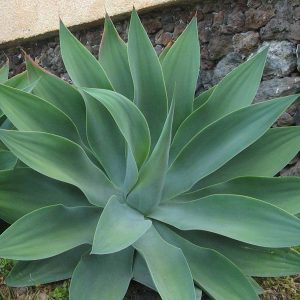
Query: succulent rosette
[(126, 175)]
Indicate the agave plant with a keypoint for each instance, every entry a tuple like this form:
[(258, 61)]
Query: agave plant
[(130, 177)]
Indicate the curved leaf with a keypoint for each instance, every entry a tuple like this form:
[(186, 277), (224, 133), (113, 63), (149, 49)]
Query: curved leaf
[(242, 218), (266, 157), (56, 268), (106, 140), (218, 143), (4, 70), (283, 192), (141, 273), (149, 88), (252, 260), (128, 117), (59, 93), (234, 92), (19, 81), (49, 231), (102, 276), (81, 65), (114, 59), (60, 159), (203, 98), (119, 227), (217, 275), (148, 190), (172, 280), (181, 70), (24, 190), (7, 161), (30, 113), (164, 52)]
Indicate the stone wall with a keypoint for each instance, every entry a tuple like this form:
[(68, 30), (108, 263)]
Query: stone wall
[(229, 31)]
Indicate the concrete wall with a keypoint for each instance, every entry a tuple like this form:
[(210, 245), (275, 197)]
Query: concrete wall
[(25, 19)]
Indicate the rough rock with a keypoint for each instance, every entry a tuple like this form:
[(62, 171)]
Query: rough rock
[(235, 22), (219, 46), (294, 33), (277, 28), (245, 42), (293, 171), (225, 65), (298, 57), (278, 87), (254, 3), (285, 120), (256, 18), (163, 38), (281, 59)]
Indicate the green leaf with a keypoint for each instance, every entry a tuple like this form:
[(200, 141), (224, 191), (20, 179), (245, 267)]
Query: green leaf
[(59, 93), (49, 231), (218, 143), (55, 156), (203, 98), (114, 60), (252, 260), (81, 65), (283, 192), (30, 113), (7, 161), (149, 88), (234, 92), (227, 283), (106, 141), (127, 117), (148, 190), (102, 276), (168, 267), (24, 190), (266, 157), (164, 52), (4, 70), (119, 227), (19, 81), (56, 268), (141, 273), (181, 74), (242, 218)]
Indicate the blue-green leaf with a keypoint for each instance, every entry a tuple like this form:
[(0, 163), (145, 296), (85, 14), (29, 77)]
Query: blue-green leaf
[(148, 190), (215, 274), (129, 120), (102, 276), (4, 70), (24, 190), (266, 157), (119, 227), (252, 260), (114, 59), (31, 113), (212, 147), (60, 159), (149, 88), (167, 265), (36, 272), (81, 65), (49, 231), (283, 192), (181, 70), (242, 218)]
